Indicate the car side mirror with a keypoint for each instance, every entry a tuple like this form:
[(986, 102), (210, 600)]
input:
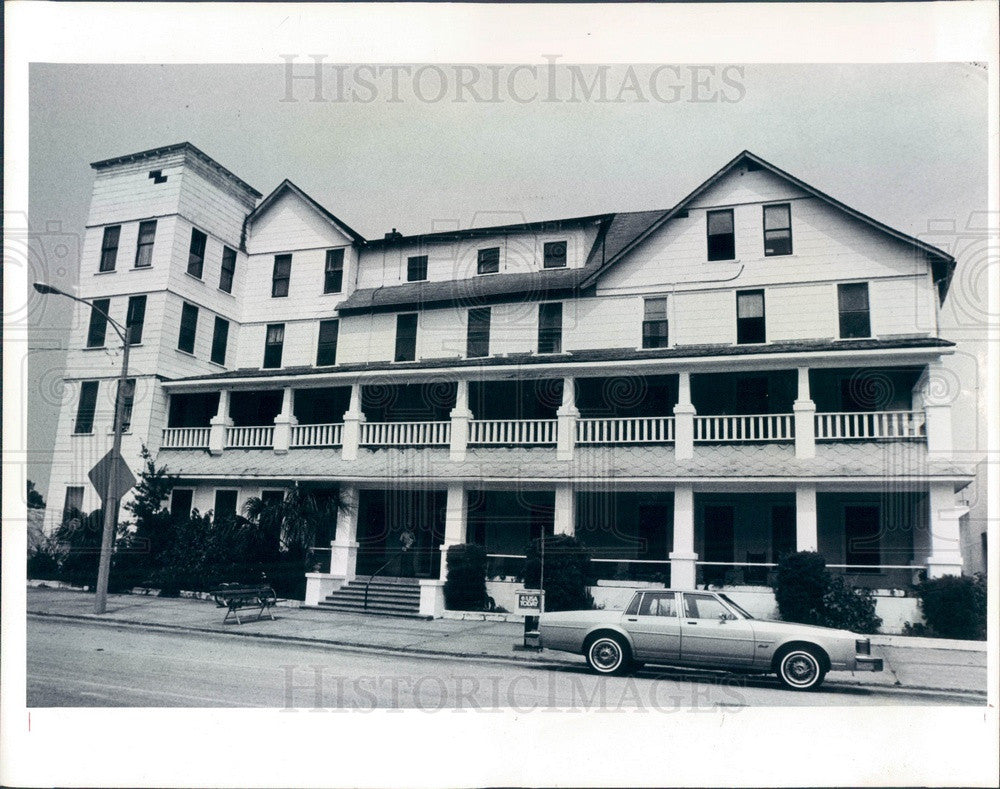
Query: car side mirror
[(725, 617)]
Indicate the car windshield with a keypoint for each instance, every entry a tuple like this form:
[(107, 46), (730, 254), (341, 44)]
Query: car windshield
[(739, 608)]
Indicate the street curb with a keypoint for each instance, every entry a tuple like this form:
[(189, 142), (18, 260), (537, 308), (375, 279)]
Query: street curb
[(513, 658), (919, 642)]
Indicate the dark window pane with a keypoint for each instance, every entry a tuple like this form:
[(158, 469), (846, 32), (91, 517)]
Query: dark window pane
[(721, 238), (136, 318), (550, 328), (326, 352), (189, 328), (478, 333), (181, 501), (852, 300), (220, 339), (750, 326), (655, 334), (488, 261), (86, 407), (109, 247), (144, 248), (273, 344), (406, 337), (554, 254), (73, 502), (416, 268), (225, 505), (333, 279), (196, 253), (282, 273), (778, 229), (228, 269), (98, 327), (128, 400), (861, 532)]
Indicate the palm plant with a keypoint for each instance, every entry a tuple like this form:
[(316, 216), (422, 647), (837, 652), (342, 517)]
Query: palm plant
[(293, 522)]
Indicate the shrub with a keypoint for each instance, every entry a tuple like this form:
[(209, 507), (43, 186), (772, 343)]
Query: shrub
[(43, 562), (954, 607), (849, 609), (567, 567), (806, 592), (465, 582), (79, 539)]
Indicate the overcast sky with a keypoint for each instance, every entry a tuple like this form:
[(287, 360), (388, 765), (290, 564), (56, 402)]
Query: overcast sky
[(904, 144)]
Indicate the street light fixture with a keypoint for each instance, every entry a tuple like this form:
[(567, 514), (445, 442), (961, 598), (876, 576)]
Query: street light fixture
[(110, 500)]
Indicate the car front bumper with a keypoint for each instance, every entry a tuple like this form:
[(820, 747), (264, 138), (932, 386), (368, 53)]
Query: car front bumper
[(866, 663)]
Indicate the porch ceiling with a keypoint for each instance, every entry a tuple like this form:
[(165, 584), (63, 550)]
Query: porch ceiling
[(867, 461)]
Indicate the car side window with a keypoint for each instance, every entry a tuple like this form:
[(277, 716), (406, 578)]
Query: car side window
[(704, 606), (633, 607), (658, 605)]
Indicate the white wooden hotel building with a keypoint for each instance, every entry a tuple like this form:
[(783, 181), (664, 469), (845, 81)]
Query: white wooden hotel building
[(691, 391)]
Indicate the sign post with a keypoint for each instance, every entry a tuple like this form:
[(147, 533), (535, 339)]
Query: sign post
[(531, 603)]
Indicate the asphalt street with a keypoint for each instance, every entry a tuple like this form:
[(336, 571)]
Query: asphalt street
[(82, 664)]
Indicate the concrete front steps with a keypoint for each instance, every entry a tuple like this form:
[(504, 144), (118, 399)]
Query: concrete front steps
[(386, 597)]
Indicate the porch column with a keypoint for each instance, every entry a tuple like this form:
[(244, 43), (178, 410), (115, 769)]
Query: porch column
[(353, 418), (565, 514), (806, 536), (682, 557), (805, 418), (460, 417), (946, 554), (456, 517), (344, 547), (937, 396), (567, 414), (284, 421), (219, 423), (684, 419)]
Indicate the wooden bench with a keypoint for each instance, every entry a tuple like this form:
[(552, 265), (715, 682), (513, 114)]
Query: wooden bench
[(236, 597)]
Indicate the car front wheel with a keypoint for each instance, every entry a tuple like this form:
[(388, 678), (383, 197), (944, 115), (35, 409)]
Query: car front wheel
[(608, 655), (801, 668)]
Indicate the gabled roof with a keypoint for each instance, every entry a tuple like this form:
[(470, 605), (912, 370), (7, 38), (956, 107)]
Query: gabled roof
[(288, 186), (633, 234)]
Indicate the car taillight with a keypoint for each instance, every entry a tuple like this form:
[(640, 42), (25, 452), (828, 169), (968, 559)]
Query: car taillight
[(863, 646)]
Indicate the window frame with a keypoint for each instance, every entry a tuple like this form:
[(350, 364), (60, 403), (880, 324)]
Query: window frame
[(220, 322), (401, 338), (477, 336), (764, 208), (67, 509), (271, 363), (135, 337), (708, 234), (190, 507), (552, 244), (286, 278), (483, 256), (743, 323), (333, 267), (230, 270), (128, 403), (215, 502), (188, 310), (322, 346), (97, 326), (648, 324), (196, 253), (141, 246), (548, 334), (90, 389), (411, 262), (845, 315), (109, 251)]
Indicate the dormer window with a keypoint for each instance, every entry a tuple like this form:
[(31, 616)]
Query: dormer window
[(721, 236), (488, 261), (554, 254)]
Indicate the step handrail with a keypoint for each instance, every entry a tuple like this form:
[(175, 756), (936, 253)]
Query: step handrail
[(371, 578)]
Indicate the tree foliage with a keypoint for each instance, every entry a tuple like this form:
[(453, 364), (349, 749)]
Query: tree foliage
[(566, 569), (35, 500)]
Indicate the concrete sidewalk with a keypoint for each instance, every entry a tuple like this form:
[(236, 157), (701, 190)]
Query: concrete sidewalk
[(960, 667)]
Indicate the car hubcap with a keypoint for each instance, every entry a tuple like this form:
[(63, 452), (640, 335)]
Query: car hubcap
[(800, 669), (606, 654)]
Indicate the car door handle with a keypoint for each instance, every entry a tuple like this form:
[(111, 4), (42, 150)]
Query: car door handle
[(691, 623)]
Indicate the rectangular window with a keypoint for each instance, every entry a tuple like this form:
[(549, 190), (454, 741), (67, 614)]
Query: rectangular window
[(406, 337), (750, 316), (144, 249), (326, 351), (862, 537), (271, 498), (109, 247), (73, 502), (333, 278), (488, 261), (416, 268), (196, 253), (554, 254), (654, 324), (228, 269), (128, 400), (282, 273), (550, 327), (189, 328), (181, 500), (135, 318), (225, 505), (274, 343), (721, 237), (852, 303), (86, 407), (478, 334), (220, 339), (778, 229), (98, 327)]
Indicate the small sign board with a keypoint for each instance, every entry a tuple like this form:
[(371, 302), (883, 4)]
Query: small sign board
[(112, 466), (529, 602)]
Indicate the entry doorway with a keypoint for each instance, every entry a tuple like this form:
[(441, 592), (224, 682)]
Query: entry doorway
[(383, 516), (720, 543)]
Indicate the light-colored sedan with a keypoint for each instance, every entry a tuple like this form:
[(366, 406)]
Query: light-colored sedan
[(704, 630)]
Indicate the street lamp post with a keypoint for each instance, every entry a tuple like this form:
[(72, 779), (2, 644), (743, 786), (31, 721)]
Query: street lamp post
[(110, 500)]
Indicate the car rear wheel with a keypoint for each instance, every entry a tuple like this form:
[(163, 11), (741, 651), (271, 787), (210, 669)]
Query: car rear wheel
[(609, 654), (801, 668)]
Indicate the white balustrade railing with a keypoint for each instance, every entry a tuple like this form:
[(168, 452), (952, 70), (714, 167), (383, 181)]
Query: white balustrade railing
[(185, 438), (329, 435), (384, 434), (512, 432), (870, 425), (626, 430), (746, 427), (254, 437)]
